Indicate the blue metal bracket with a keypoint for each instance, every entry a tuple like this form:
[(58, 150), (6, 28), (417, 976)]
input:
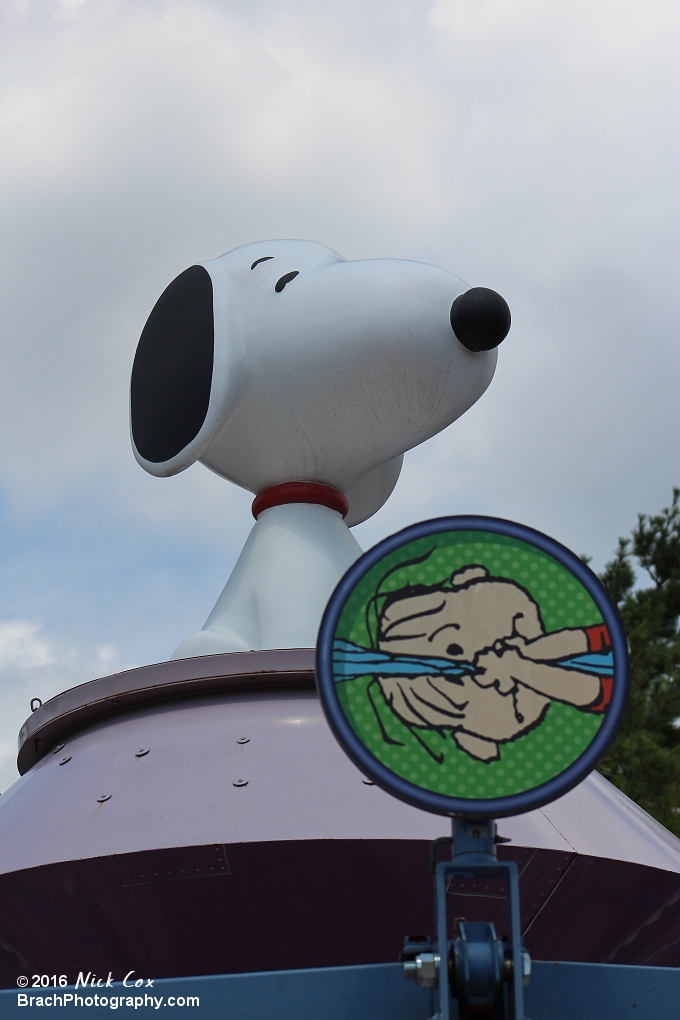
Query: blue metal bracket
[(475, 972)]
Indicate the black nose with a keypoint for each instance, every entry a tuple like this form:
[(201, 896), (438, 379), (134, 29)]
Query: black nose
[(480, 318)]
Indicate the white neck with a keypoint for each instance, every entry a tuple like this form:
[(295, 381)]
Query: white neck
[(277, 592)]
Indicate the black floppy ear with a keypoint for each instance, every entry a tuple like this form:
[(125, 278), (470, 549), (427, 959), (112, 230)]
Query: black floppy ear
[(172, 374)]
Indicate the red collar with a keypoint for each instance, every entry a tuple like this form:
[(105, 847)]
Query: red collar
[(300, 492)]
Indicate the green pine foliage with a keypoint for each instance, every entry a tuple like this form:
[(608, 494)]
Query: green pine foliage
[(644, 761)]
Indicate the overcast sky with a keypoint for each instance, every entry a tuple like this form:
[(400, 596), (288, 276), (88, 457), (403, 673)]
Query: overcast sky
[(527, 146)]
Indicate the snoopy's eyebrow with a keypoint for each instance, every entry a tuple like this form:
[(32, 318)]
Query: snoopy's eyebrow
[(284, 280), (456, 626), (265, 258)]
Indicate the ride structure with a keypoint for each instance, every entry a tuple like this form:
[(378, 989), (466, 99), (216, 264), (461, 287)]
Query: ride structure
[(197, 821), (503, 671)]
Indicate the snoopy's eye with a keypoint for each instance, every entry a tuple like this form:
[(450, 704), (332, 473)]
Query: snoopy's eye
[(454, 650), (280, 284), (265, 258)]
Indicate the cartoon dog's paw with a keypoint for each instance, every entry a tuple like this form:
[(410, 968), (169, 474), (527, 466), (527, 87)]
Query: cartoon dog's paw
[(501, 670)]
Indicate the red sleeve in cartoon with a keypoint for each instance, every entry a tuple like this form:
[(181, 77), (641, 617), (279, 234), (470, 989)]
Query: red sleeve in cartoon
[(607, 683), (598, 638), (600, 641)]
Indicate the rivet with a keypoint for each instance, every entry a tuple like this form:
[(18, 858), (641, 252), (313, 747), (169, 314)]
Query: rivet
[(102, 797), (243, 740), (240, 782), (367, 782), (58, 748), (142, 751), (64, 760)]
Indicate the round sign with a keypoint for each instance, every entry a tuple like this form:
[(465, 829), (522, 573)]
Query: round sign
[(472, 666)]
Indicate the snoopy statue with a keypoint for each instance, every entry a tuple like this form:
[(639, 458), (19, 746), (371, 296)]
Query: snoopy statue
[(304, 378)]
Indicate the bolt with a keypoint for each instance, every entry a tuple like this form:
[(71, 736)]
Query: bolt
[(58, 748), (508, 967), (102, 797), (240, 782), (424, 969), (64, 760), (142, 751), (243, 740)]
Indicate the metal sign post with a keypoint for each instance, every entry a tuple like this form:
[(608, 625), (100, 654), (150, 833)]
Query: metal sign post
[(476, 970), (475, 668)]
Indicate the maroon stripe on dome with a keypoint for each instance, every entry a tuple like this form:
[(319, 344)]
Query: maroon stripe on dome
[(300, 492), (174, 901)]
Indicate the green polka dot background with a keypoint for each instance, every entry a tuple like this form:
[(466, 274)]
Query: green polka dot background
[(472, 664)]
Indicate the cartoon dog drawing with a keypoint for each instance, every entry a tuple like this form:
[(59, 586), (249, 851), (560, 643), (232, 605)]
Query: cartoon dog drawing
[(303, 377), (493, 627)]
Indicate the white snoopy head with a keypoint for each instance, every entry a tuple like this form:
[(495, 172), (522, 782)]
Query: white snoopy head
[(282, 361)]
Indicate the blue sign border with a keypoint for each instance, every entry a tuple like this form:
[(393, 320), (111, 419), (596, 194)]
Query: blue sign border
[(497, 807)]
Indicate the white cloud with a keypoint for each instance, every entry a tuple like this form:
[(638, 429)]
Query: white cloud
[(33, 665), (21, 648)]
